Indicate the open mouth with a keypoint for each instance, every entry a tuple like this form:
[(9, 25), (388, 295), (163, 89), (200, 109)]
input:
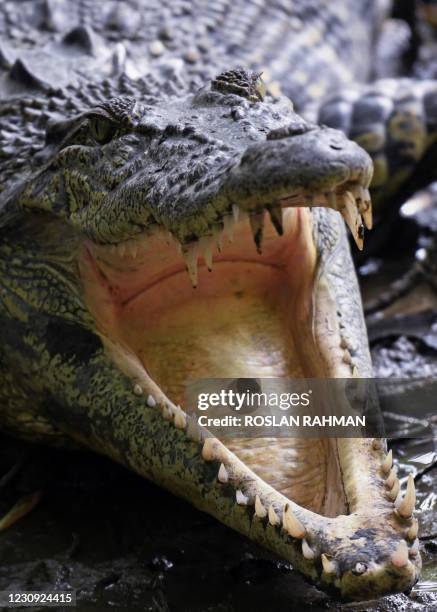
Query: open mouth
[(253, 304), (252, 313)]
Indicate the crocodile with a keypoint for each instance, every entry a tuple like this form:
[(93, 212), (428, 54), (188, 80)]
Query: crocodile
[(135, 139)]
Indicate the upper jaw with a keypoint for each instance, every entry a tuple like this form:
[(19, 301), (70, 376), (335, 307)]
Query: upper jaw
[(319, 167)]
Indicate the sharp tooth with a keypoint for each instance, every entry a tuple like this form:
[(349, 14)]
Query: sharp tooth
[(151, 401), (366, 212), (242, 500), (275, 212), (273, 517), (329, 566), (235, 212), (167, 412), (400, 557), (405, 506), (138, 390), (391, 478), (292, 524), (180, 420), (228, 223), (365, 207), (387, 462), (260, 511), (307, 551), (121, 248), (353, 219), (189, 253), (414, 550), (413, 530), (331, 199), (395, 490), (223, 475), (207, 243), (257, 225), (209, 450)]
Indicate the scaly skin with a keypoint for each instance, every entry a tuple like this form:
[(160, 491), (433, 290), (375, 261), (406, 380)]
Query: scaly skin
[(101, 170)]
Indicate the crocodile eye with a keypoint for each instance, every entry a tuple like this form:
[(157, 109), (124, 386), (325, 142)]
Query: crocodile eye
[(101, 129)]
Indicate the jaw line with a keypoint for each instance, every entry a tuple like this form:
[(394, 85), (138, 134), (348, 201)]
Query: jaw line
[(358, 461)]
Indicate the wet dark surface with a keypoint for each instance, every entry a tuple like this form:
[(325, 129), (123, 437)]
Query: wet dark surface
[(122, 543)]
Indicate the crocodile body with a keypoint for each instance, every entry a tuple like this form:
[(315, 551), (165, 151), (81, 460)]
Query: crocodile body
[(126, 135)]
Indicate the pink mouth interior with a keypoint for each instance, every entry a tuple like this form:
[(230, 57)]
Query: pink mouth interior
[(251, 316)]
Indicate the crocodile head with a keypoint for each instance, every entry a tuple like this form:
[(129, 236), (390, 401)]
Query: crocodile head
[(186, 277)]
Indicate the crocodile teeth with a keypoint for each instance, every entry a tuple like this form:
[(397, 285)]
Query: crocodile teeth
[(223, 475), (228, 224), (235, 212), (414, 550), (365, 207), (329, 566), (394, 492), (405, 506), (413, 530), (292, 524), (207, 245), (257, 226), (121, 249), (260, 511), (242, 500), (400, 557), (275, 212), (273, 517), (209, 449), (151, 402), (189, 253), (180, 420), (138, 390), (167, 412), (353, 219), (391, 478), (387, 462), (307, 551)]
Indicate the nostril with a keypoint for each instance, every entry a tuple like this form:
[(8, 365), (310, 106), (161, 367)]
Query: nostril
[(359, 569), (336, 147)]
